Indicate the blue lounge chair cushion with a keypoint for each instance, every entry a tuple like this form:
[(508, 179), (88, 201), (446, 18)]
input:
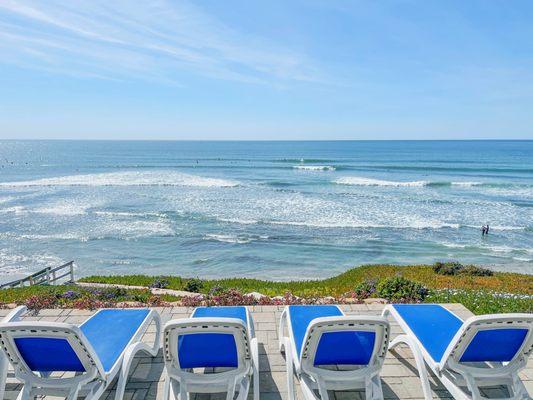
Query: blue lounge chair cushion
[(221, 312), (433, 325), (37, 351), (110, 331), (210, 350), (343, 347), (494, 345)]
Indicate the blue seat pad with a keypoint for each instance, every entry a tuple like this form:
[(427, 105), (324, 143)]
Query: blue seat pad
[(210, 350), (110, 331), (343, 347), (495, 345), (48, 354), (221, 312), (433, 325)]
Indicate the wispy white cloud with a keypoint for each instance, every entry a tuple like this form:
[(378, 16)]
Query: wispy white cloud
[(157, 40)]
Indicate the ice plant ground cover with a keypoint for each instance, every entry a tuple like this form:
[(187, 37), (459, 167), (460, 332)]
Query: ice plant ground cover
[(482, 292)]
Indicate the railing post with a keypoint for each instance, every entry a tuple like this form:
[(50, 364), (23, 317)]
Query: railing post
[(48, 275), (72, 272)]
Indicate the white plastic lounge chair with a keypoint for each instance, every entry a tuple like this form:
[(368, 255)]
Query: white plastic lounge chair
[(91, 355), (322, 336), (486, 350), (213, 337)]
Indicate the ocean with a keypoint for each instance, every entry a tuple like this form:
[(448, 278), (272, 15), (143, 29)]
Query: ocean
[(276, 210)]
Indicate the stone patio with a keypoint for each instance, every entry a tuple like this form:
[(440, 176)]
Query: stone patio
[(399, 375)]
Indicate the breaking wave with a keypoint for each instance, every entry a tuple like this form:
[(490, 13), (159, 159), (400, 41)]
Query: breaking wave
[(128, 178), (363, 181), (314, 167), (360, 181)]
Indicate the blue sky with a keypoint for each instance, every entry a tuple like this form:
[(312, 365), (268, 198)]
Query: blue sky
[(277, 69)]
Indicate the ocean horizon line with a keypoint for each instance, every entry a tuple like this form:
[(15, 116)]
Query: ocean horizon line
[(261, 140)]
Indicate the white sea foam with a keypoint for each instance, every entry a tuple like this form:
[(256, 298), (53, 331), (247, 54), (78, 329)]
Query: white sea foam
[(13, 263), (239, 221), (466, 184), (14, 210), (499, 227), (363, 181), (354, 224), (128, 178), (454, 245), (314, 167), (136, 229), (66, 208), (129, 214), (238, 239), (360, 181), (6, 199)]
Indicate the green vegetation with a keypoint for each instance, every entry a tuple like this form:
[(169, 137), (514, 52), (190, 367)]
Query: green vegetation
[(482, 301), (194, 285), (400, 289), (72, 296), (474, 287), (455, 268), (345, 282)]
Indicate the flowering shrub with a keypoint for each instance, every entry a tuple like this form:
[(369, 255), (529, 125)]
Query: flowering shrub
[(400, 289), (365, 289), (160, 283), (38, 302), (455, 268), (193, 285), (217, 289), (70, 295), (192, 301), (88, 303)]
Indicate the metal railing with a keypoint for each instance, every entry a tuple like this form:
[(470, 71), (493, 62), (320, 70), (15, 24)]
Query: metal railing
[(46, 276)]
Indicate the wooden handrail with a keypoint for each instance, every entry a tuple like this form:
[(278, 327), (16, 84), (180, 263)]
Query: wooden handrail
[(46, 276)]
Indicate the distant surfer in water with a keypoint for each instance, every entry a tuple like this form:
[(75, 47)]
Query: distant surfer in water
[(485, 230)]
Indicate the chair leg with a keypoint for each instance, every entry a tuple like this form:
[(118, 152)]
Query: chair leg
[(130, 354), (518, 388), (231, 389), (373, 388), (420, 363), (290, 370), (306, 386), (166, 386), (25, 393), (254, 346), (184, 394), (281, 335), (3, 374)]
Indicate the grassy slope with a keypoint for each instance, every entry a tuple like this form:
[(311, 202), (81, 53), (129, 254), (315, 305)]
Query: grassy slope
[(337, 285)]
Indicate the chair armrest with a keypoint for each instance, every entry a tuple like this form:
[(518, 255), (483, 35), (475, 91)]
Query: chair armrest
[(15, 314)]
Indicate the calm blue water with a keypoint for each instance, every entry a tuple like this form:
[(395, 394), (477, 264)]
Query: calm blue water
[(282, 210)]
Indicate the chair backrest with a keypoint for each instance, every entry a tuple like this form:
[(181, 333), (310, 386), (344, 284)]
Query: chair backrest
[(498, 338), (345, 340), (46, 347), (206, 342)]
